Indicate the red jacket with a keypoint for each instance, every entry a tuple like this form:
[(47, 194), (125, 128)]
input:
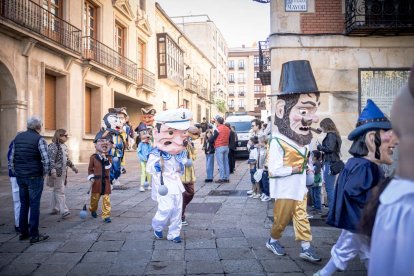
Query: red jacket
[(223, 136)]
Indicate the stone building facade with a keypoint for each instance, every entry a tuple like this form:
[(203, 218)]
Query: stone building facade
[(69, 61), (357, 49)]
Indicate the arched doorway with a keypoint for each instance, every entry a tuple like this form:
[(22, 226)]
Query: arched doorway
[(8, 112)]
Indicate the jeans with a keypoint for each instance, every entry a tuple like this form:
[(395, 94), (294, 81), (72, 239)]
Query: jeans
[(210, 165), (30, 191), (316, 197), (252, 172), (329, 183), (264, 183), (222, 156)]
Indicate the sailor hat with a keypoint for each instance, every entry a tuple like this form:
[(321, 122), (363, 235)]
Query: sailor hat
[(175, 118)]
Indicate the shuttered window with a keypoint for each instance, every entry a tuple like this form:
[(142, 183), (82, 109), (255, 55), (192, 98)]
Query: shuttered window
[(50, 102), (88, 109)]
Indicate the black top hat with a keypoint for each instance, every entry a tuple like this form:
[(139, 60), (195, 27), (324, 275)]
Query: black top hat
[(297, 78)]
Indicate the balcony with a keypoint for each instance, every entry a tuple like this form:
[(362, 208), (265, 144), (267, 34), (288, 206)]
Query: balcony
[(231, 94), (379, 17), (94, 50), (191, 86), (146, 80), (33, 17), (231, 80), (231, 67), (241, 94), (264, 63), (241, 66), (203, 93)]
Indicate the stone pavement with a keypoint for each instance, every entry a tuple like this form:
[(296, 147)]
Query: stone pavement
[(226, 235)]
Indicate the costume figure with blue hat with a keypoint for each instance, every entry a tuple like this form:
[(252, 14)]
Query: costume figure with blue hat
[(294, 110), (166, 165), (143, 150), (372, 145)]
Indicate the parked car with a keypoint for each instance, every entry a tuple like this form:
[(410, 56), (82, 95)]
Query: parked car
[(242, 123)]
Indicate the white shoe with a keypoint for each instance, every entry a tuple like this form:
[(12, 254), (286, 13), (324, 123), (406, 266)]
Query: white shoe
[(116, 183), (252, 195), (262, 196), (141, 189), (149, 187), (249, 192), (256, 196), (266, 198)]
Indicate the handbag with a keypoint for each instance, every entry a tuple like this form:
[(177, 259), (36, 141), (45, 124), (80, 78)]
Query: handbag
[(336, 167)]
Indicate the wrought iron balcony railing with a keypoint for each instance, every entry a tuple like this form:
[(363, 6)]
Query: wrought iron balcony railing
[(192, 86), (264, 63), (146, 79), (39, 20), (379, 17), (102, 54)]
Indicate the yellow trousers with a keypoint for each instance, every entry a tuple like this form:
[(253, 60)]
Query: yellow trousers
[(284, 211), (106, 204), (144, 174)]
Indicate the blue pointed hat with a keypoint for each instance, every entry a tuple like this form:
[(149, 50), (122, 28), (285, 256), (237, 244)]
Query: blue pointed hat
[(371, 118)]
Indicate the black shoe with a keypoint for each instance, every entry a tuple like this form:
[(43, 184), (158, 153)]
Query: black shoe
[(123, 170), (220, 181), (23, 237), (39, 238), (226, 180), (208, 180), (324, 215), (17, 229)]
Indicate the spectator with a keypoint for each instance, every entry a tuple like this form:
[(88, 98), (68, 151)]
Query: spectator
[(331, 147), (253, 166), (221, 144), (204, 127), (59, 160), (30, 163), (209, 151), (317, 182), (256, 128), (264, 181), (15, 191), (232, 148)]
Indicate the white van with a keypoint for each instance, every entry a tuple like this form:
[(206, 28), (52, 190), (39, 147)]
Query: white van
[(243, 124)]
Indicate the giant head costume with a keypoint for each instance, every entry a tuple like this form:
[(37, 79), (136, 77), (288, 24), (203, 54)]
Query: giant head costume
[(296, 103), (148, 116), (144, 133), (103, 141), (112, 121), (372, 137), (170, 132), (402, 114)]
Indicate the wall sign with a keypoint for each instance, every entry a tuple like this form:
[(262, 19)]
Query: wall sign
[(296, 5)]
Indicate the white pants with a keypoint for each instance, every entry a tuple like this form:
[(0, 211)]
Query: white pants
[(58, 202), (169, 208), (16, 200), (347, 247)]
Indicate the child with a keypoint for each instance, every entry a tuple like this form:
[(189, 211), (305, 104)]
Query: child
[(264, 181), (253, 157), (317, 182), (99, 175), (143, 150), (209, 151)]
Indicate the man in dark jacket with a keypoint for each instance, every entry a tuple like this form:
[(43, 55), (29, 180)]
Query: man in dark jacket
[(30, 163), (232, 148)]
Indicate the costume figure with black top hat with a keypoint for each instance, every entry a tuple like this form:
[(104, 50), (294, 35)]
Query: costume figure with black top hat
[(392, 239), (166, 165), (189, 178), (294, 113), (372, 145), (112, 122), (99, 175), (123, 118), (143, 150)]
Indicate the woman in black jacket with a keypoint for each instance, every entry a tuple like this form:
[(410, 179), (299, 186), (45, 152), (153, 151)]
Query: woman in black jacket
[(331, 147)]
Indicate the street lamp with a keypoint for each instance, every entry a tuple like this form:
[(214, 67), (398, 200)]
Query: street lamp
[(188, 71)]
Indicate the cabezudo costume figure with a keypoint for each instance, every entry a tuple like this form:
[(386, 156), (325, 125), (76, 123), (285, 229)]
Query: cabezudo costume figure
[(143, 150), (295, 108)]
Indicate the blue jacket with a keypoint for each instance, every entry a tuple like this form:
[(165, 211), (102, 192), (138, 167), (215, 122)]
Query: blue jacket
[(143, 151), (353, 189), (11, 174)]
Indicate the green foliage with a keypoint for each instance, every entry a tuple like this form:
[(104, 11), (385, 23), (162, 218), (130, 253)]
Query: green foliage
[(221, 106)]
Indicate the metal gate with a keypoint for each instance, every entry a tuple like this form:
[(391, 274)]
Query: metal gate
[(381, 85)]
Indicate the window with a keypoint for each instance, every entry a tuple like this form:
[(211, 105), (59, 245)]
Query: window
[(256, 102), (231, 103), (119, 39), (51, 25), (241, 103), (231, 64), (231, 90), (186, 103), (142, 5), (198, 113), (256, 61), (241, 90), (381, 85), (164, 106), (241, 78), (258, 89), (170, 59), (241, 63), (90, 20), (92, 111), (88, 109), (231, 78), (50, 102), (141, 54), (207, 114)]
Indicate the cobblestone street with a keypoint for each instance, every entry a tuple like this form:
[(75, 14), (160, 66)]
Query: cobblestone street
[(226, 234)]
